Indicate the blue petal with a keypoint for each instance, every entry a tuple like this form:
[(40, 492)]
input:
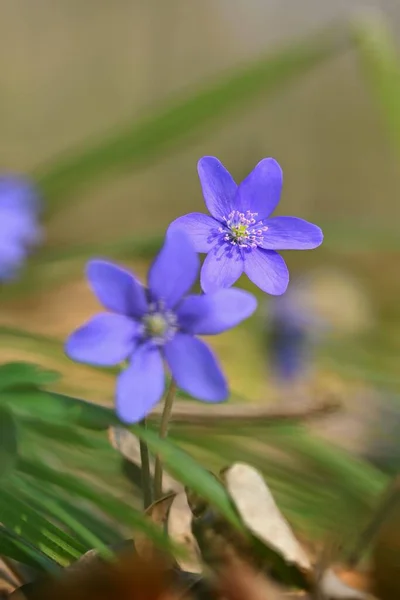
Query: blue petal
[(106, 340), (195, 368), (12, 256), (174, 270), (141, 385), (222, 267), (19, 226), (215, 313), (116, 288), (202, 230), (19, 194), (261, 190), (218, 186), (267, 270), (291, 233)]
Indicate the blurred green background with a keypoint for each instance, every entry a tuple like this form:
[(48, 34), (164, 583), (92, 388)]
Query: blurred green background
[(109, 105)]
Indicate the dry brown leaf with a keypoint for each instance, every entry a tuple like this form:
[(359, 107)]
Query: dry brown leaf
[(157, 513), (128, 578), (237, 580), (259, 512), (338, 586), (180, 531)]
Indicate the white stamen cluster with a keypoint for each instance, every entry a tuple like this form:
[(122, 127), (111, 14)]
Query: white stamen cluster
[(159, 324), (243, 229)]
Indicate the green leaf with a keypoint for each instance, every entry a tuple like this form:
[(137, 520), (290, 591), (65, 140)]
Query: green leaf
[(8, 442), (21, 374), (19, 514), (85, 539), (16, 547), (122, 512), (380, 61), (171, 127), (188, 471), (58, 409)]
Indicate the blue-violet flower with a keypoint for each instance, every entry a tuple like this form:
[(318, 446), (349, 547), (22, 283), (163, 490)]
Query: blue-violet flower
[(148, 326), (19, 225), (240, 236)]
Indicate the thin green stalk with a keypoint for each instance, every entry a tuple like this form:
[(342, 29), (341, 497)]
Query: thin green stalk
[(145, 467), (387, 504), (165, 417)]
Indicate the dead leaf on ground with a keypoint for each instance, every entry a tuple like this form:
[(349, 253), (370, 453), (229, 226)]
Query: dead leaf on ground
[(180, 531), (260, 514)]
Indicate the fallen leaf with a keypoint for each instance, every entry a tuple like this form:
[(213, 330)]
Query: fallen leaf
[(180, 531), (259, 512)]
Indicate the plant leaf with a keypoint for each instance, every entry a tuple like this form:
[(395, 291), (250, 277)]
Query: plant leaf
[(8, 442), (189, 472), (21, 374), (169, 128), (17, 547), (259, 512), (381, 64)]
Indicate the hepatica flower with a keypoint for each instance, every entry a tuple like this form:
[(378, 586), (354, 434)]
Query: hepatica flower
[(148, 327), (240, 235), (289, 337), (19, 225)]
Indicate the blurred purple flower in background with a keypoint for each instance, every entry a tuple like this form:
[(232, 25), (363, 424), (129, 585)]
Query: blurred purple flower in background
[(19, 225), (288, 339), (147, 326), (239, 236), (293, 329)]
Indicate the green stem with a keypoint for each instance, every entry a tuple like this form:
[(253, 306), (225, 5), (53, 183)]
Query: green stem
[(165, 417), (387, 504), (145, 467)]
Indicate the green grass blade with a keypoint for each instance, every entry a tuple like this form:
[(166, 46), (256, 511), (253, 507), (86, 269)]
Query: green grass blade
[(381, 65), (188, 471), (17, 547), (176, 124)]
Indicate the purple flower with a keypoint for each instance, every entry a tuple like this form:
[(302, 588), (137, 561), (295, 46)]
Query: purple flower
[(240, 236), (19, 227), (149, 326), (293, 330), (289, 337)]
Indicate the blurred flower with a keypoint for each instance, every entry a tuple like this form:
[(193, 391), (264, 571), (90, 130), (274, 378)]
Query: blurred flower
[(292, 331), (19, 227), (238, 236), (147, 326), (287, 341)]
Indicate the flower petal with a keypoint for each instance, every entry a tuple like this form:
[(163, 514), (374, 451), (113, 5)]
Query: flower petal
[(19, 194), (222, 267), (141, 385), (174, 270), (202, 230), (261, 190), (12, 256), (291, 233), (105, 340), (218, 186), (214, 313), (19, 226), (116, 288), (267, 270), (195, 368)]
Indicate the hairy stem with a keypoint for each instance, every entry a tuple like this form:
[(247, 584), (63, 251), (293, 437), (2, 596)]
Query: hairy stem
[(145, 467), (165, 417)]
